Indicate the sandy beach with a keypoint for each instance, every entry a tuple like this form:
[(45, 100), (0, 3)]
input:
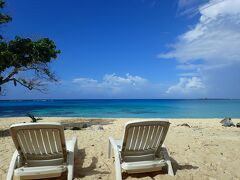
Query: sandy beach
[(205, 150)]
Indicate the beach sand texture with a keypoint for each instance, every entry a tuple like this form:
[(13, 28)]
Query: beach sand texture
[(206, 150)]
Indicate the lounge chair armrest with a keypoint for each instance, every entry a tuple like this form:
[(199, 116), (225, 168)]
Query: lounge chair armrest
[(112, 143), (72, 144), (167, 159), (117, 157), (165, 152), (13, 164)]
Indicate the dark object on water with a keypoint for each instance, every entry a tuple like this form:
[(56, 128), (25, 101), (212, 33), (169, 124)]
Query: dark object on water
[(238, 125), (227, 122), (75, 128), (33, 117), (184, 124)]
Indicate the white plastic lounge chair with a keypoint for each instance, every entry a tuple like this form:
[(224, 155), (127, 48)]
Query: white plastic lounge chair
[(141, 149), (41, 151)]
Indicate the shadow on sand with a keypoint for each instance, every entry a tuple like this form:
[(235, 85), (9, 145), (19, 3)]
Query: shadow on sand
[(176, 167), (4, 133), (80, 171)]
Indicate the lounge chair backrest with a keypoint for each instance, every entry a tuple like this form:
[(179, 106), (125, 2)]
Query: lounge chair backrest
[(142, 139), (39, 141)]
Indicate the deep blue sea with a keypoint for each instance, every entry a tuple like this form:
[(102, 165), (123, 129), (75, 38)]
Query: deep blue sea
[(160, 108)]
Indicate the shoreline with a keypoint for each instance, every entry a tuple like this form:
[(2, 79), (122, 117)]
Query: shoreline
[(205, 150)]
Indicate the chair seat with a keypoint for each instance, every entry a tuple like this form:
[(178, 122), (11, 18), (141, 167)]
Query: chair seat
[(40, 172), (143, 166)]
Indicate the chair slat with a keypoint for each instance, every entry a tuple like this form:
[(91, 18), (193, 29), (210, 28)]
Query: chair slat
[(141, 137), (154, 135), (46, 141), (58, 141), (52, 141), (138, 138), (130, 138), (29, 142), (34, 143), (148, 140), (43, 141), (22, 142), (147, 136), (40, 141), (134, 136), (160, 137), (144, 136)]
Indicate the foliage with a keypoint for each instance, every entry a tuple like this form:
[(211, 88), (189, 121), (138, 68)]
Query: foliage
[(33, 119), (3, 17), (21, 58)]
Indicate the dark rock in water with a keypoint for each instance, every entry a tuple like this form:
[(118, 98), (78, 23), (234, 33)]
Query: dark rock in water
[(238, 125), (184, 124), (227, 122), (75, 128)]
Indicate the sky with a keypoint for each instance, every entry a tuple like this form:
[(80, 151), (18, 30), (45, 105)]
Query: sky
[(133, 48)]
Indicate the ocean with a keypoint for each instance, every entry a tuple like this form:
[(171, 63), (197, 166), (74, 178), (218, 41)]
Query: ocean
[(122, 108)]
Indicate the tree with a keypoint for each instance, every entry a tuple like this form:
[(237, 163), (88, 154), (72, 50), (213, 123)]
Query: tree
[(24, 61)]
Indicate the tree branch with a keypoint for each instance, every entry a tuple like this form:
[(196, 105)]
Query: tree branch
[(3, 81), (31, 84)]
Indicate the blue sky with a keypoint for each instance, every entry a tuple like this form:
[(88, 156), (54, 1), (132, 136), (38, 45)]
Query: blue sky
[(134, 48)]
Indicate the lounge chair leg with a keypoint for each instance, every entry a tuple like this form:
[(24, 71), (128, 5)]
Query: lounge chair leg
[(170, 169), (71, 153)]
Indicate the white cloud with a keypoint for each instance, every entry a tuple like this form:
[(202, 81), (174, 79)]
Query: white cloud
[(129, 80), (186, 85), (216, 31), (112, 81), (188, 74), (85, 82), (213, 44), (111, 85), (215, 8)]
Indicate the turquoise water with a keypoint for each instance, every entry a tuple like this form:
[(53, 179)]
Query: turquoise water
[(123, 108)]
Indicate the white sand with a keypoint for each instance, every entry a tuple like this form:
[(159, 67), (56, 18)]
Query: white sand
[(205, 151)]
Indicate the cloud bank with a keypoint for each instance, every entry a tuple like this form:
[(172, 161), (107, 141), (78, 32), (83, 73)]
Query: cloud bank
[(212, 50), (114, 86)]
